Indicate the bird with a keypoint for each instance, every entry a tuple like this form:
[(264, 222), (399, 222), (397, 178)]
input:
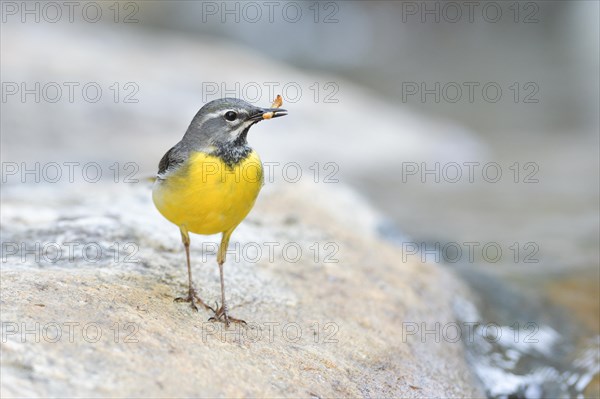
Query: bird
[(208, 182)]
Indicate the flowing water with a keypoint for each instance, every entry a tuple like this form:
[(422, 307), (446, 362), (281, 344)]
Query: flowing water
[(544, 305)]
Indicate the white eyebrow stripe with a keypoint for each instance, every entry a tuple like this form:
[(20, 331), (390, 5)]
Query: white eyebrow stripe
[(211, 115), (221, 113)]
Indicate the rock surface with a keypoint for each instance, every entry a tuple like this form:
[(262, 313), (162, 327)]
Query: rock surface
[(326, 323)]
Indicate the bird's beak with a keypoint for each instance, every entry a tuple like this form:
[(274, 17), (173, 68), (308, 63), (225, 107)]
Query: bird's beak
[(268, 113)]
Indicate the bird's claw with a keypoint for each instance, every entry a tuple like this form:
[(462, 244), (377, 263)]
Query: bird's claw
[(193, 298), (222, 315)]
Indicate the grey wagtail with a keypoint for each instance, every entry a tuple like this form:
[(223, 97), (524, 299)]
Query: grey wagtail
[(208, 182)]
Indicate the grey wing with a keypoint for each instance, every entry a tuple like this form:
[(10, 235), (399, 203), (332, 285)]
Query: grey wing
[(170, 161)]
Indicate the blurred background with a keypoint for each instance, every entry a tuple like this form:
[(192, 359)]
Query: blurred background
[(392, 98)]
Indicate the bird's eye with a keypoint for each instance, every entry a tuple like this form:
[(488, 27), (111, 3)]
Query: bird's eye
[(230, 116)]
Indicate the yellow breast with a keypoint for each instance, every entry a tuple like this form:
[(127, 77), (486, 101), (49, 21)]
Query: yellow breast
[(207, 196)]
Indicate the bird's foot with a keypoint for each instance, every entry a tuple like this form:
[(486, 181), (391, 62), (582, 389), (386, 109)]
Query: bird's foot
[(222, 315), (193, 298)]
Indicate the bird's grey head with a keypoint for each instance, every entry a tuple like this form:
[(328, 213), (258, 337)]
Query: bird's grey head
[(225, 122)]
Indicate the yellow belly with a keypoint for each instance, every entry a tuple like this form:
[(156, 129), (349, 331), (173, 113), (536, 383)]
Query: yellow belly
[(206, 196)]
